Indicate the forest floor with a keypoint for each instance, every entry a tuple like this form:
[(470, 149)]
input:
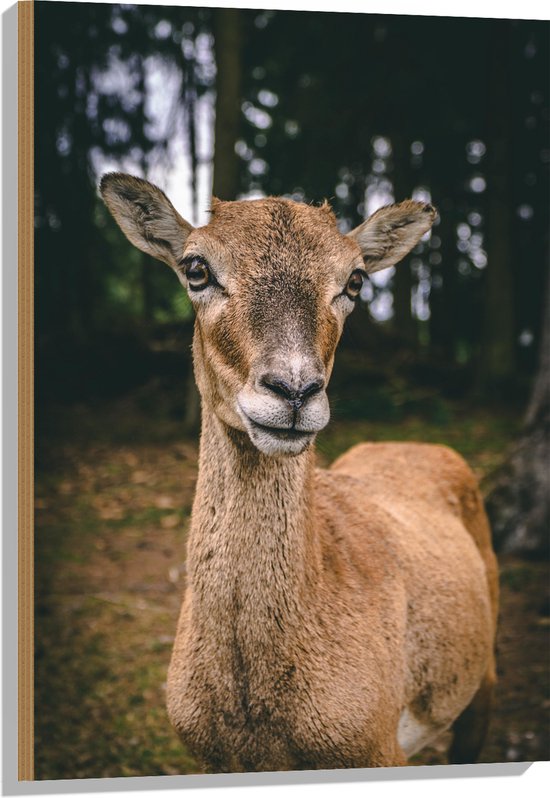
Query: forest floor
[(114, 486)]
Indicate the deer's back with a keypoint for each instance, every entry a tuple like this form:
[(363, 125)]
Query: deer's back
[(422, 478), (428, 490), (411, 516)]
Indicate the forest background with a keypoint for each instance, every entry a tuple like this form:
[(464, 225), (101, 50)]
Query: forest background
[(452, 346)]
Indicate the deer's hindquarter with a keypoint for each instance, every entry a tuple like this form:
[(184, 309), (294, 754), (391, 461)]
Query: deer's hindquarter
[(448, 632)]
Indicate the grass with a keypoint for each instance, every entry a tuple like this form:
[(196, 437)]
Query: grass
[(482, 438)]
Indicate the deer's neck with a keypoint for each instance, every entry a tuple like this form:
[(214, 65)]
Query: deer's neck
[(253, 556)]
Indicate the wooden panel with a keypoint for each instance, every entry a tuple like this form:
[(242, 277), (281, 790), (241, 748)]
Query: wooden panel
[(26, 390)]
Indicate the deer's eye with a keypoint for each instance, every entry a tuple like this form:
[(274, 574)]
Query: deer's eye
[(198, 274), (355, 284)]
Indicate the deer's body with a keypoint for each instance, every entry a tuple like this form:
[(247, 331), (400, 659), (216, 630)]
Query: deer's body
[(333, 618), (307, 638)]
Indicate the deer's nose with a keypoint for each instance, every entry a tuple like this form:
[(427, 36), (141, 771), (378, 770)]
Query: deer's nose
[(295, 394)]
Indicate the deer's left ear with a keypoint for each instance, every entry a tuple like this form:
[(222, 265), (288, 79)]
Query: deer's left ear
[(390, 233), (146, 216)]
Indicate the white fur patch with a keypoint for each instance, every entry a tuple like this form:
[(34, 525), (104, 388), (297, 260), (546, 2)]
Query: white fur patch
[(412, 735)]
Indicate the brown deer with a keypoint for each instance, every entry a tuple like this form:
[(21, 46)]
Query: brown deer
[(333, 618)]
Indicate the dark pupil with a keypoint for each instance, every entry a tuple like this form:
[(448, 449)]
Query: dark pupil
[(197, 274), (355, 283)]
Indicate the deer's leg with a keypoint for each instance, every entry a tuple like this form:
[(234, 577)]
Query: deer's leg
[(470, 728)]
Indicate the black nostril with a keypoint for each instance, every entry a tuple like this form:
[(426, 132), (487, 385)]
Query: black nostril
[(295, 397), (313, 388), (280, 387)]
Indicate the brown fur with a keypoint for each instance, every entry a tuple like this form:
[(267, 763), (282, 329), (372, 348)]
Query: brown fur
[(331, 616)]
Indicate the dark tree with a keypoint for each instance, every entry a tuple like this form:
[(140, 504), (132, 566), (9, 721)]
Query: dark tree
[(228, 50), (84, 114), (519, 503), (497, 364), (227, 25)]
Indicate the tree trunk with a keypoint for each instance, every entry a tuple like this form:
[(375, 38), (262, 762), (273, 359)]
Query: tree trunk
[(358, 330), (443, 325), (519, 503), (146, 289), (227, 45), (228, 51), (404, 322), (498, 356)]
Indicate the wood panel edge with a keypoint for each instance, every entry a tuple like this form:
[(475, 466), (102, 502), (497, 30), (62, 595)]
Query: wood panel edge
[(25, 329)]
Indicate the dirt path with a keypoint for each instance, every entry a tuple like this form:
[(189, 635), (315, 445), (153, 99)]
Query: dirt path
[(111, 523)]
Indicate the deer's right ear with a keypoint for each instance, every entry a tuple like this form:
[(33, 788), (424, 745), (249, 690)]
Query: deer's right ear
[(391, 232), (146, 216)]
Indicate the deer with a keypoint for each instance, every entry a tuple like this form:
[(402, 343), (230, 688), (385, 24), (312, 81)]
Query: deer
[(332, 618)]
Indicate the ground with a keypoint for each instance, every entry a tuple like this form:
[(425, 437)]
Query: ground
[(114, 486)]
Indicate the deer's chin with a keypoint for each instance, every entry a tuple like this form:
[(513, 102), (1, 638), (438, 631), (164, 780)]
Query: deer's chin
[(276, 442)]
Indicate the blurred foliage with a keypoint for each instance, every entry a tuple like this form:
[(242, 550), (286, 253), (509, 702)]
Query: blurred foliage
[(93, 102), (354, 107)]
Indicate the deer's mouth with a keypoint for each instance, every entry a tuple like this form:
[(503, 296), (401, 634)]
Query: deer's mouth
[(283, 433), (276, 441), (278, 426)]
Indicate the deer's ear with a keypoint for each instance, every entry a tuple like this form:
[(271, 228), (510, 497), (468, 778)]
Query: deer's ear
[(146, 216), (390, 233)]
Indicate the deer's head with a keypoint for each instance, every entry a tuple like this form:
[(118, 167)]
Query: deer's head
[(272, 282)]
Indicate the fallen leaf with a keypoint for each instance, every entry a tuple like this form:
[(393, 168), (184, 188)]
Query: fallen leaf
[(173, 574), (170, 521), (165, 502)]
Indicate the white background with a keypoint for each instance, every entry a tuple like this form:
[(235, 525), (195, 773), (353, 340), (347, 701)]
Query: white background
[(536, 781)]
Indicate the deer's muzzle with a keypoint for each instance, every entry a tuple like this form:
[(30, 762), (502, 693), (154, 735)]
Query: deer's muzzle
[(284, 406)]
